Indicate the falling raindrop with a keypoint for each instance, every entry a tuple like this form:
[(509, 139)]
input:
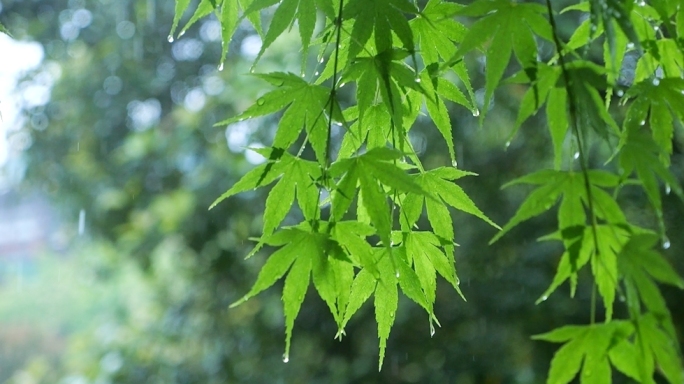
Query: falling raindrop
[(220, 67), (81, 222), (432, 329), (286, 358), (666, 243), (576, 155), (476, 112), (667, 189), (170, 38)]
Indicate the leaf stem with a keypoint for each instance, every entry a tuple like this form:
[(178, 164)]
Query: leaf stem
[(580, 146), (333, 90)]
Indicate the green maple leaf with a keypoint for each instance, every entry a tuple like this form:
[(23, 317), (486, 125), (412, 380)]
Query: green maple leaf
[(554, 184), (663, 98), (307, 106), (642, 268), (387, 75), (284, 17), (610, 13), (577, 237), (424, 252), (261, 175), (393, 269), (436, 90), (436, 32), (382, 19), (656, 351), (305, 256), (367, 172), (439, 181), (580, 250), (638, 153), (586, 347), (510, 27)]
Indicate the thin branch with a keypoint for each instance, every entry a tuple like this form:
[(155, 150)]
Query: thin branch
[(582, 157)]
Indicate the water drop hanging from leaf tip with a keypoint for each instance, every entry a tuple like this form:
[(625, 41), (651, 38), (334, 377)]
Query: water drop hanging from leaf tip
[(286, 358), (220, 67), (666, 243), (170, 38)]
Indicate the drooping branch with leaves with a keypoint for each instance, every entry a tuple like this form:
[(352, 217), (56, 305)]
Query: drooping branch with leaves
[(360, 199)]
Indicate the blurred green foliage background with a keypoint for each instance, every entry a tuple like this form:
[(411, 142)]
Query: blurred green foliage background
[(140, 293)]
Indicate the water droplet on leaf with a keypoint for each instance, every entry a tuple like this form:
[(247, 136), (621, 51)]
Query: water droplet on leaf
[(620, 93), (508, 144), (170, 38), (666, 243), (397, 275), (576, 155), (454, 164), (656, 81), (322, 60), (544, 298), (432, 330), (316, 73), (476, 112), (220, 67), (417, 80), (286, 358), (261, 101), (667, 189), (181, 34)]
